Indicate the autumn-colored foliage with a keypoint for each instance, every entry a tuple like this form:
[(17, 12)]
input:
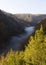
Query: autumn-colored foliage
[(34, 54)]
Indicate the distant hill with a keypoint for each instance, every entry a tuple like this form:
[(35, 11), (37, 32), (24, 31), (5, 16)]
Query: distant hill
[(27, 19), (31, 17)]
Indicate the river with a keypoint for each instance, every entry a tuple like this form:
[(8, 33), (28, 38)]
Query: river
[(17, 42)]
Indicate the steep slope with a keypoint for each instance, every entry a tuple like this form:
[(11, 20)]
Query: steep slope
[(8, 27)]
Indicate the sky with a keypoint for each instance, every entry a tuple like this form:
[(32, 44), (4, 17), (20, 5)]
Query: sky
[(24, 6)]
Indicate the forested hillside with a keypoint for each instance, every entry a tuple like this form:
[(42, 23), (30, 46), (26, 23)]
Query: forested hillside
[(34, 54)]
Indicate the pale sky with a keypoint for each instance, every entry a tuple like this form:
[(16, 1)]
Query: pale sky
[(24, 6)]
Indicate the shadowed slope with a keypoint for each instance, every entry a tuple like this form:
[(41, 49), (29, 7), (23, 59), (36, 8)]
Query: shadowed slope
[(18, 43), (8, 27), (43, 23)]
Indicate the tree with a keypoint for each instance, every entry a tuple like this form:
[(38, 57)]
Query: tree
[(35, 52)]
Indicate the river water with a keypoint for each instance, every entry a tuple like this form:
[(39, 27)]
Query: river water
[(17, 42)]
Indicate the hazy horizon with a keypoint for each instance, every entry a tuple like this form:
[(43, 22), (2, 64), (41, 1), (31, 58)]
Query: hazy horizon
[(23, 6)]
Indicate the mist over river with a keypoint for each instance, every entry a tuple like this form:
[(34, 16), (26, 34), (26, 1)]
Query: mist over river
[(17, 42)]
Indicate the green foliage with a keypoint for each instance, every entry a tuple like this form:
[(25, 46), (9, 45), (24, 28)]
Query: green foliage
[(36, 49), (34, 54)]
